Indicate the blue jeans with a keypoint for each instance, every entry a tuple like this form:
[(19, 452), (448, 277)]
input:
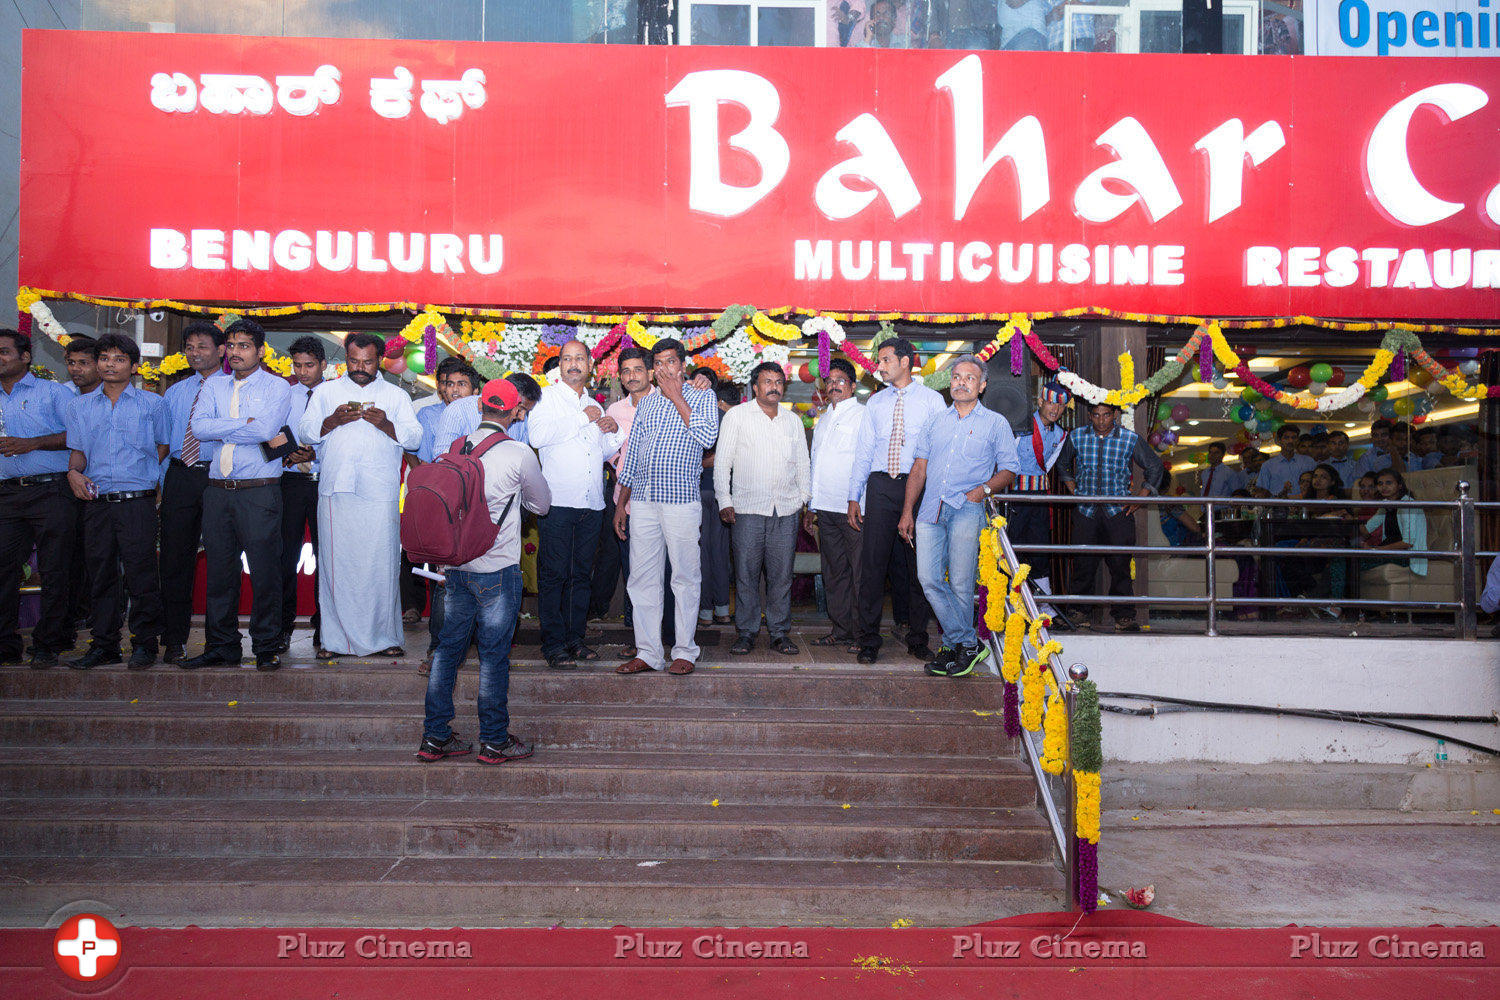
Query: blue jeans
[(486, 603), (951, 548)]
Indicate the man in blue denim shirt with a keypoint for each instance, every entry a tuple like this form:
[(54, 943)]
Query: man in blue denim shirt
[(965, 454), (35, 503), (118, 436)]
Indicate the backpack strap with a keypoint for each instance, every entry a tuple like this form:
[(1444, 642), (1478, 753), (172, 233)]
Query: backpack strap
[(462, 446)]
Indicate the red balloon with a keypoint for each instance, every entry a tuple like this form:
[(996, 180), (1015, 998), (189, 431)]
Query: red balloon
[(396, 347), (1298, 377), (805, 373), (1337, 381)]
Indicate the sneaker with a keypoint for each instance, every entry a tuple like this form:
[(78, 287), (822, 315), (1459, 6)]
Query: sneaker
[(511, 749), (434, 749), (967, 658), (941, 663)]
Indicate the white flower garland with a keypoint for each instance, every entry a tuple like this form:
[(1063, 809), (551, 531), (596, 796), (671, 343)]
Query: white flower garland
[(42, 316), (738, 355)]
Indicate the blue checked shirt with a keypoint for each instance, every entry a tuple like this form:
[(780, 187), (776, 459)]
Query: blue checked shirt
[(663, 458), (1100, 466), (961, 453), (118, 439), (34, 408)]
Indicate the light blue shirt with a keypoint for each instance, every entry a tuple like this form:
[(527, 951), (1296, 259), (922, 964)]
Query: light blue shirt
[(428, 416), (873, 442), (177, 404), (1278, 472), (460, 418), (1226, 479), (1349, 470), (34, 408), (1052, 439), (1489, 600), (300, 395), (264, 402), (118, 439), (1373, 460), (961, 453)]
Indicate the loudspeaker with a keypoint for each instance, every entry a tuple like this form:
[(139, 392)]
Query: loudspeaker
[(1010, 395)]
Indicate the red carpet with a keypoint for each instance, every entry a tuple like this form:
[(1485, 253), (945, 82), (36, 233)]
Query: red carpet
[(1113, 954)]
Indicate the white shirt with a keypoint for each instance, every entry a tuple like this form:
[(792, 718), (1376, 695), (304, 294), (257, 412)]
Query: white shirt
[(358, 457), (510, 470), (571, 446), (761, 464), (833, 454)]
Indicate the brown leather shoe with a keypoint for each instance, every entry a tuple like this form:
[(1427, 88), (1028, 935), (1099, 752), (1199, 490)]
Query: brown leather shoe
[(680, 667), (635, 666)]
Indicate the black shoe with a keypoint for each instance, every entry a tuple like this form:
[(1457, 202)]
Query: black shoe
[(511, 749), (1127, 625), (561, 663), (174, 654), (209, 660), (95, 657), (922, 652), (142, 656), (41, 659), (434, 749), (966, 658), (266, 662), (941, 663), (868, 654), (283, 643), (744, 644)]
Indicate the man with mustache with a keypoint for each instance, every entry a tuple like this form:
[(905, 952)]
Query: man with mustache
[(360, 424), (572, 434), (763, 479)]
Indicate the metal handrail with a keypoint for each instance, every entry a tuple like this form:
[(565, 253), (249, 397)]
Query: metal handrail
[(1063, 824), (1465, 553)]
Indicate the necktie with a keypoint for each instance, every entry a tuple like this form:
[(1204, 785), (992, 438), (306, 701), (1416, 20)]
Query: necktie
[(190, 450), (226, 452), (306, 466), (898, 435), (1208, 484)]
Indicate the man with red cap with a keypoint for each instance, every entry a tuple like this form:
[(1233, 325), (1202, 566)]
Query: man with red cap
[(482, 598)]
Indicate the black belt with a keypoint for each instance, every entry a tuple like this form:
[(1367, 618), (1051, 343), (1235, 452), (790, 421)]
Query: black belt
[(45, 477), (196, 465), (117, 497), (242, 484), (887, 475), (311, 477)]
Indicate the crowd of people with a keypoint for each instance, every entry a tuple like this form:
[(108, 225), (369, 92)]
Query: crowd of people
[(693, 495)]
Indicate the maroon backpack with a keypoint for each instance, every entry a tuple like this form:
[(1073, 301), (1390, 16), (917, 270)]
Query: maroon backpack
[(445, 519)]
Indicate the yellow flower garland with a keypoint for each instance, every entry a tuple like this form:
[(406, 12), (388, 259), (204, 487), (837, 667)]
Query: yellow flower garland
[(772, 330), (1055, 730), (1032, 694), (1086, 816), (1010, 661), (993, 580), (412, 332)]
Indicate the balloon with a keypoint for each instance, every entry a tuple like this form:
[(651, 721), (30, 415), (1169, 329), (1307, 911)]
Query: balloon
[(807, 421), (1163, 410), (1251, 424), (1378, 394), (1198, 457), (1419, 377), (1404, 406), (1244, 412), (1419, 418), (1237, 447), (1321, 372), (1387, 409), (1317, 388), (1155, 439), (1249, 395), (805, 373), (1221, 383), (395, 365), (1264, 425), (416, 360), (1469, 367), (1337, 377), (1263, 413), (1298, 377), (1169, 437), (395, 347), (1180, 412)]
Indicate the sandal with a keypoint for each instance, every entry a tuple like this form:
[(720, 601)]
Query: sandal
[(322, 654), (680, 667), (393, 651), (584, 653), (785, 646), (635, 666), (832, 640)]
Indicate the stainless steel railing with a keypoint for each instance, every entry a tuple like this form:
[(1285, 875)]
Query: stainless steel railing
[(1464, 554)]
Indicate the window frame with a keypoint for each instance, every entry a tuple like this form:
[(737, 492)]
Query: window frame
[(819, 10)]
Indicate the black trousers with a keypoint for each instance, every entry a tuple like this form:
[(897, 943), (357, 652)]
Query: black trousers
[(715, 556), (1031, 524), (566, 538), (299, 519), (44, 515), (242, 521), (881, 550), (80, 590), (1102, 529), (608, 557), (838, 548), (181, 531), (120, 544)]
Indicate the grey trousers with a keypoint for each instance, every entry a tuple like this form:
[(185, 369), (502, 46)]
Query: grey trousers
[(838, 545), (764, 546)]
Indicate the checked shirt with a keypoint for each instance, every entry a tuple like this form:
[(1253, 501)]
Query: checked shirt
[(663, 458)]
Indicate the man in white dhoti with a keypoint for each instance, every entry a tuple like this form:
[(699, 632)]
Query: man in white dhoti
[(362, 424)]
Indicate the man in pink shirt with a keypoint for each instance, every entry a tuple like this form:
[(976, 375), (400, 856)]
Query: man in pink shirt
[(613, 554)]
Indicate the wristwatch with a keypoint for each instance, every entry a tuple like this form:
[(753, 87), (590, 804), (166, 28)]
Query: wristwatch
[(987, 490)]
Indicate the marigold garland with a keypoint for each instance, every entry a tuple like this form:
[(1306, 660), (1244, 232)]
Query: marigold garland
[(1033, 693), (1010, 660), (1055, 730)]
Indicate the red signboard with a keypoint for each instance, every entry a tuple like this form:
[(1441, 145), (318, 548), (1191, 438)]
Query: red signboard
[(625, 177)]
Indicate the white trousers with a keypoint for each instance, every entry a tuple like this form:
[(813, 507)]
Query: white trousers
[(359, 560), (664, 531)]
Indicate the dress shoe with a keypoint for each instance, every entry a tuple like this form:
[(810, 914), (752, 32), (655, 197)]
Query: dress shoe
[(284, 642), (868, 654), (921, 651), (142, 656), (95, 657), (209, 660), (174, 654), (42, 659), (266, 662)]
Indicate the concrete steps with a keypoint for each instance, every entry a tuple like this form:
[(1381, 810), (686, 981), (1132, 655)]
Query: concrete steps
[(761, 793)]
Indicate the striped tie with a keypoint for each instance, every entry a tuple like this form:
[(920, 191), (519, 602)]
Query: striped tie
[(898, 435), (190, 452)]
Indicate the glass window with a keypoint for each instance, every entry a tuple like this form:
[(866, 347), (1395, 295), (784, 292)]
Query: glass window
[(756, 22)]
